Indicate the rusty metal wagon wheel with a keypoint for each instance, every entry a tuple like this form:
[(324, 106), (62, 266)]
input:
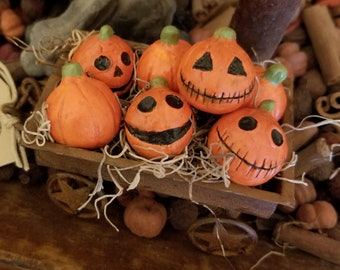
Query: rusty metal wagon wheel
[(70, 191), (224, 237)]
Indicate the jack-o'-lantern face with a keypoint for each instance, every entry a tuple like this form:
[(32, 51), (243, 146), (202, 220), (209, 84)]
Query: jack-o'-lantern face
[(159, 123), (253, 140), (108, 58), (216, 75)]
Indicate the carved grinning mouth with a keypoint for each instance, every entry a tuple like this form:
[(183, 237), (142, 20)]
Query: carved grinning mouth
[(253, 166), (197, 92)]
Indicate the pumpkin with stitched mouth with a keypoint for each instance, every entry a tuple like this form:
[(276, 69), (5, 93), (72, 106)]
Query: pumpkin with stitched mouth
[(159, 122), (250, 143), (216, 75), (108, 58)]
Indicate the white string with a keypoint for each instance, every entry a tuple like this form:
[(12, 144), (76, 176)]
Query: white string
[(334, 173), (333, 146), (98, 187), (294, 181), (325, 121), (41, 132)]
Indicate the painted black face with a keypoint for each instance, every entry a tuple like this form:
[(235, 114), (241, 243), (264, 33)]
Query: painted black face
[(205, 64), (148, 105), (249, 124), (103, 63), (253, 165)]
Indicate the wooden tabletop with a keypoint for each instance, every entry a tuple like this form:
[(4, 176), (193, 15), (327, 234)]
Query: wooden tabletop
[(35, 234)]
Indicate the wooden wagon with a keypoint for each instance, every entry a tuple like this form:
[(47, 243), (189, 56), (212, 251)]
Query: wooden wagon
[(76, 171), (249, 200)]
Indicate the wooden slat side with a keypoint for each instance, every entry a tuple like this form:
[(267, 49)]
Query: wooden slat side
[(244, 199)]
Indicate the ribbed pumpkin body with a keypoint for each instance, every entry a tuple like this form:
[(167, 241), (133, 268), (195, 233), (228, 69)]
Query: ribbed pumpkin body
[(216, 75), (159, 123), (108, 58), (83, 112), (253, 140), (162, 58)]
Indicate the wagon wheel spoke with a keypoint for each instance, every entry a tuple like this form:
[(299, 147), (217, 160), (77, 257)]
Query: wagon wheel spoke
[(222, 236), (69, 192)]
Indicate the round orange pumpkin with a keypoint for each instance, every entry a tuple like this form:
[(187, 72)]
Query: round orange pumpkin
[(271, 88), (145, 217), (253, 140), (159, 122), (216, 75), (11, 24), (83, 112), (161, 58), (108, 58)]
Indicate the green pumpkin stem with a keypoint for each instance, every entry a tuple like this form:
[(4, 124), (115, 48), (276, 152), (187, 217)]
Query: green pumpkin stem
[(267, 105), (71, 69), (170, 35), (275, 73), (105, 32), (158, 81), (225, 32)]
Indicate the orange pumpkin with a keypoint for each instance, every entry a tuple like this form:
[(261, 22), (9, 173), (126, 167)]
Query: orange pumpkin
[(319, 214), (108, 58), (83, 112), (216, 75), (161, 58), (145, 217), (271, 88), (159, 122), (253, 140), (11, 24)]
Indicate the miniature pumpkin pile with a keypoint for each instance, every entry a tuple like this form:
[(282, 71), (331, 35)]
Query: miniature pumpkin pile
[(165, 90), (217, 76), (214, 76)]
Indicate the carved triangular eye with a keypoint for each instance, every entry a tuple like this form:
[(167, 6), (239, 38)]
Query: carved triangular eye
[(236, 67), (204, 63)]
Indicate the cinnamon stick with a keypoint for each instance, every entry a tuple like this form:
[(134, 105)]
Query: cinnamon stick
[(313, 155), (260, 25), (314, 243), (325, 39), (329, 105)]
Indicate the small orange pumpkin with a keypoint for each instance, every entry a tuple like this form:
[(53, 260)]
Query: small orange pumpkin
[(108, 58), (83, 112), (11, 24), (161, 58), (319, 214), (145, 217), (159, 122), (271, 88), (216, 75), (253, 140)]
